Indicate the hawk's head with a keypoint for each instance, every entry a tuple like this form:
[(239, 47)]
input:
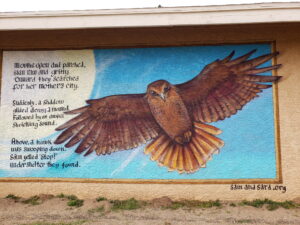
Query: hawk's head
[(159, 89)]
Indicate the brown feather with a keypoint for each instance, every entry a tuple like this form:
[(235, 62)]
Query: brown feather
[(81, 134), (262, 70), (199, 113), (76, 111), (130, 142), (174, 157), (150, 128), (260, 78), (213, 112), (205, 112), (180, 159), (218, 108), (206, 146), (246, 94), (187, 160), (160, 150), (208, 128), (250, 64), (256, 85), (230, 105), (224, 106), (113, 137), (120, 133), (195, 162), (240, 94), (101, 141), (240, 98), (240, 59), (142, 130), (73, 121), (96, 144), (163, 155), (235, 100), (66, 134), (246, 89), (228, 58), (200, 148), (215, 142), (197, 154), (168, 155), (89, 141), (88, 152), (155, 143), (138, 132)]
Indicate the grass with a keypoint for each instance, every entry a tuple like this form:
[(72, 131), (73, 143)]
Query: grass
[(34, 200), (244, 221), (270, 204), (79, 222), (97, 210), (101, 199), (175, 205), (129, 204), (61, 195), (74, 201), (209, 204), (14, 197), (71, 197), (194, 204)]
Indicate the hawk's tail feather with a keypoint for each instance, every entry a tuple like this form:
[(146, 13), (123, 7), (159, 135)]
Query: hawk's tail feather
[(189, 157)]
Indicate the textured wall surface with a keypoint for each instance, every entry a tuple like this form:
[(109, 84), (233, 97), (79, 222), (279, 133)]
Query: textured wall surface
[(287, 38)]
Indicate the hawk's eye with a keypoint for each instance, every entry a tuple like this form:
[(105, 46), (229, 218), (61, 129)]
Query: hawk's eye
[(166, 89), (153, 93)]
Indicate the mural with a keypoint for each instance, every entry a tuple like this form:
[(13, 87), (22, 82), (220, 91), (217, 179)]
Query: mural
[(168, 113)]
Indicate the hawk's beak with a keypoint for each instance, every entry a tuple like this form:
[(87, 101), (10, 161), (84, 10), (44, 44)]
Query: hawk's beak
[(162, 96)]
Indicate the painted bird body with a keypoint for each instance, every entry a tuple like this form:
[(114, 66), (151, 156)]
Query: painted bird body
[(175, 116), (169, 110)]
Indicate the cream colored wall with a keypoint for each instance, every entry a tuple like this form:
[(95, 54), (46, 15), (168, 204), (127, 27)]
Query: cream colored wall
[(273, 12), (287, 37)]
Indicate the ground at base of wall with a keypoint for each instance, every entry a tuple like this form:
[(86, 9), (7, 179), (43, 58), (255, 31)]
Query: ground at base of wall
[(70, 210)]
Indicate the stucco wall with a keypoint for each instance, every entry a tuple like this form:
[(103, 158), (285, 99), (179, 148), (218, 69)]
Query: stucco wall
[(287, 38)]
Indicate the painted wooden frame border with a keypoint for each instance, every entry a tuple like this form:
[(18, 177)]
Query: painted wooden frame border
[(277, 180)]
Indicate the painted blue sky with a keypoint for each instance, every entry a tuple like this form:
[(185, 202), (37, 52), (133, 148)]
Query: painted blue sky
[(249, 150)]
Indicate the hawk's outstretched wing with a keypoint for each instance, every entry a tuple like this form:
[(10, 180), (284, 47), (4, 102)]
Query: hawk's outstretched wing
[(225, 86), (110, 124)]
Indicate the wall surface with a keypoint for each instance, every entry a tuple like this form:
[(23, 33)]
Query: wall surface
[(287, 40)]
